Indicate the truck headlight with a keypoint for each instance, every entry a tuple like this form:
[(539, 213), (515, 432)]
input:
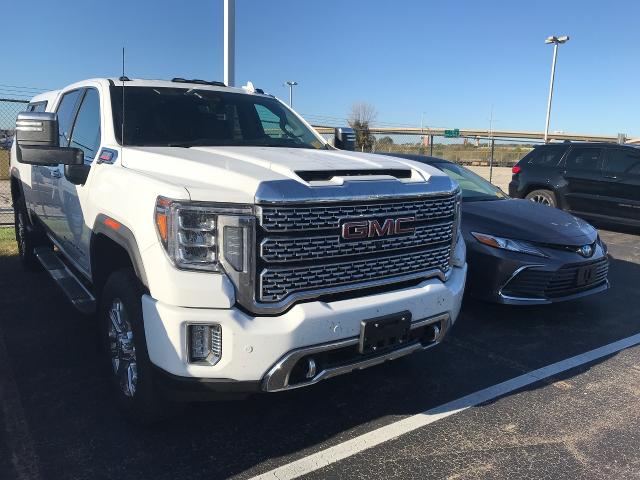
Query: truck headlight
[(191, 234)]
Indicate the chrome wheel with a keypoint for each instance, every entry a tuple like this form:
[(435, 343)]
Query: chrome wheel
[(541, 199), (122, 348)]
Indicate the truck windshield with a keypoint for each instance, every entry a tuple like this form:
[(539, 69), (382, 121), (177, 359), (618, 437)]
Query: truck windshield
[(184, 117)]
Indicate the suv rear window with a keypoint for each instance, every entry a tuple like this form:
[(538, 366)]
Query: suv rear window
[(545, 156)]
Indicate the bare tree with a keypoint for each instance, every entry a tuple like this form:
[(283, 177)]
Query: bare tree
[(361, 116), (362, 112)]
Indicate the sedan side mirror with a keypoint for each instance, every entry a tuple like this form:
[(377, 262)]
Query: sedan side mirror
[(37, 141)]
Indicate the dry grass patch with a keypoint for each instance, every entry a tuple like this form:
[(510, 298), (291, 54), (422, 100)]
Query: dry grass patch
[(8, 246)]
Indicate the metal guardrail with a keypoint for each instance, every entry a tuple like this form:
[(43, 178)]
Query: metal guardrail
[(487, 134)]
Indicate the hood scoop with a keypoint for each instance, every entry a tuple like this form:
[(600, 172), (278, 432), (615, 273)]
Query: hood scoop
[(362, 174)]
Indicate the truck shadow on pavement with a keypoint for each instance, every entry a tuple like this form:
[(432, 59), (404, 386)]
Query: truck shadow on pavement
[(52, 375)]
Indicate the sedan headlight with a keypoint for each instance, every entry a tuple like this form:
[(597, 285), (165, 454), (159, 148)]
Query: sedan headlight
[(508, 244), (192, 236)]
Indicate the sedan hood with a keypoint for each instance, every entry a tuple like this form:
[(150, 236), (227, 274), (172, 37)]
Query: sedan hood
[(526, 220)]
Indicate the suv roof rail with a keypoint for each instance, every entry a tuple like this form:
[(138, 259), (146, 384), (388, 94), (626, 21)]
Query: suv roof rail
[(198, 81)]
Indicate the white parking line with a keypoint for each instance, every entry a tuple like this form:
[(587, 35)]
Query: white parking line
[(326, 457)]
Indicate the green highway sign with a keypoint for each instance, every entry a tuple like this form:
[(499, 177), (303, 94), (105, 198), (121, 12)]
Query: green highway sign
[(455, 133)]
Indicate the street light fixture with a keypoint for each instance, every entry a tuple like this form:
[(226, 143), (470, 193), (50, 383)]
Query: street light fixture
[(555, 41), (291, 84)]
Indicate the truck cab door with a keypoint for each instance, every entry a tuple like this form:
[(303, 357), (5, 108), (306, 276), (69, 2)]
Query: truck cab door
[(49, 176), (68, 218), (621, 178), (583, 174)]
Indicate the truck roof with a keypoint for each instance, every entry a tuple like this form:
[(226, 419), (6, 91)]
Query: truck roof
[(174, 83)]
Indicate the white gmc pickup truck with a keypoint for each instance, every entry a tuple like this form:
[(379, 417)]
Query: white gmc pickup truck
[(223, 245)]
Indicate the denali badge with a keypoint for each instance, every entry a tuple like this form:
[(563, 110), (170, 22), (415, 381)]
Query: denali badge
[(374, 228)]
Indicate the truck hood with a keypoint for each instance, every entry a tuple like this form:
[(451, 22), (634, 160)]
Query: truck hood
[(238, 174)]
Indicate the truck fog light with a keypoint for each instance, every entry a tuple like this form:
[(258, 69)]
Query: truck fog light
[(205, 343), (234, 247)]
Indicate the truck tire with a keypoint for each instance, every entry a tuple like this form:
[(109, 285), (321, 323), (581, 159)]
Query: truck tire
[(545, 197), (27, 237), (125, 348)]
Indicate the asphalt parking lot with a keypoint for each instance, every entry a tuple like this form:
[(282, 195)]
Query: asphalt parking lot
[(58, 422)]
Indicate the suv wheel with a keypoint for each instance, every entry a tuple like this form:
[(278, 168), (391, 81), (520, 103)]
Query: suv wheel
[(26, 237), (545, 197), (125, 347)]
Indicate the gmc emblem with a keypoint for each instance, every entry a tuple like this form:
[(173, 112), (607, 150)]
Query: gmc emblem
[(372, 228)]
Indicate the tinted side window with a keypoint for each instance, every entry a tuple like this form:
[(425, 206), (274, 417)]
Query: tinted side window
[(620, 161), (37, 107), (546, 156), (86, 131), (584, 158), (66, 111)]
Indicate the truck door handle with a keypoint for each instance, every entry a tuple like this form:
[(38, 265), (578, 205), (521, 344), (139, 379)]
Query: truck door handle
[(612, 177)]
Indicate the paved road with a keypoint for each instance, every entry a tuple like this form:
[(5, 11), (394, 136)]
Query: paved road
[(501, 176), (57, 420)]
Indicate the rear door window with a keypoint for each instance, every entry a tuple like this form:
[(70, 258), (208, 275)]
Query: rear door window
[(37, 107), (584, 158), (548, 156), (622, 162)]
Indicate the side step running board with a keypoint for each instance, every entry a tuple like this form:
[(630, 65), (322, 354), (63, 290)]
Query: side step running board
[(72, 287)]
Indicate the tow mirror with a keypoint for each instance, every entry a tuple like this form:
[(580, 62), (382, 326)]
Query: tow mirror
[(345, 138), (38, 129), (37, 141)]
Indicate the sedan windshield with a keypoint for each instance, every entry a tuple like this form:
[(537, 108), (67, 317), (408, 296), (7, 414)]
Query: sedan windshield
[(474, 188), (181, 117)]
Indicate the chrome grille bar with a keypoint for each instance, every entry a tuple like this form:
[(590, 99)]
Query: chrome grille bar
[(316, 217), (283, 249)]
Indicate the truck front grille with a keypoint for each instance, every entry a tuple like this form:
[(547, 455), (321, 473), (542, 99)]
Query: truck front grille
[(300, 248), (296, 218)]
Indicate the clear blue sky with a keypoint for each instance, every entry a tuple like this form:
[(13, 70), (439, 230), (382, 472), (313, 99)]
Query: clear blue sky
[(451, 60)]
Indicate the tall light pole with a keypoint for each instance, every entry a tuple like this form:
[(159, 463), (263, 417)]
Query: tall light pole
[(291, 84), (555, 41), (230, 42)]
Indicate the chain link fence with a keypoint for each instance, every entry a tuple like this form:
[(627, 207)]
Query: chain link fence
[(9, 109), (467, 152)]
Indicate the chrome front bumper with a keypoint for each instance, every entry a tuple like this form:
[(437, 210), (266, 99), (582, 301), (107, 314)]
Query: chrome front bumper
[(279, 376)]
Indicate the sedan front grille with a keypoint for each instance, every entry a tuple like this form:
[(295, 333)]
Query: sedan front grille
[(534, 283), (301, 251)]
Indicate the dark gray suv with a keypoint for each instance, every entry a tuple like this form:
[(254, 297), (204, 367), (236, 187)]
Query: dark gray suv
[(597, 181)]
